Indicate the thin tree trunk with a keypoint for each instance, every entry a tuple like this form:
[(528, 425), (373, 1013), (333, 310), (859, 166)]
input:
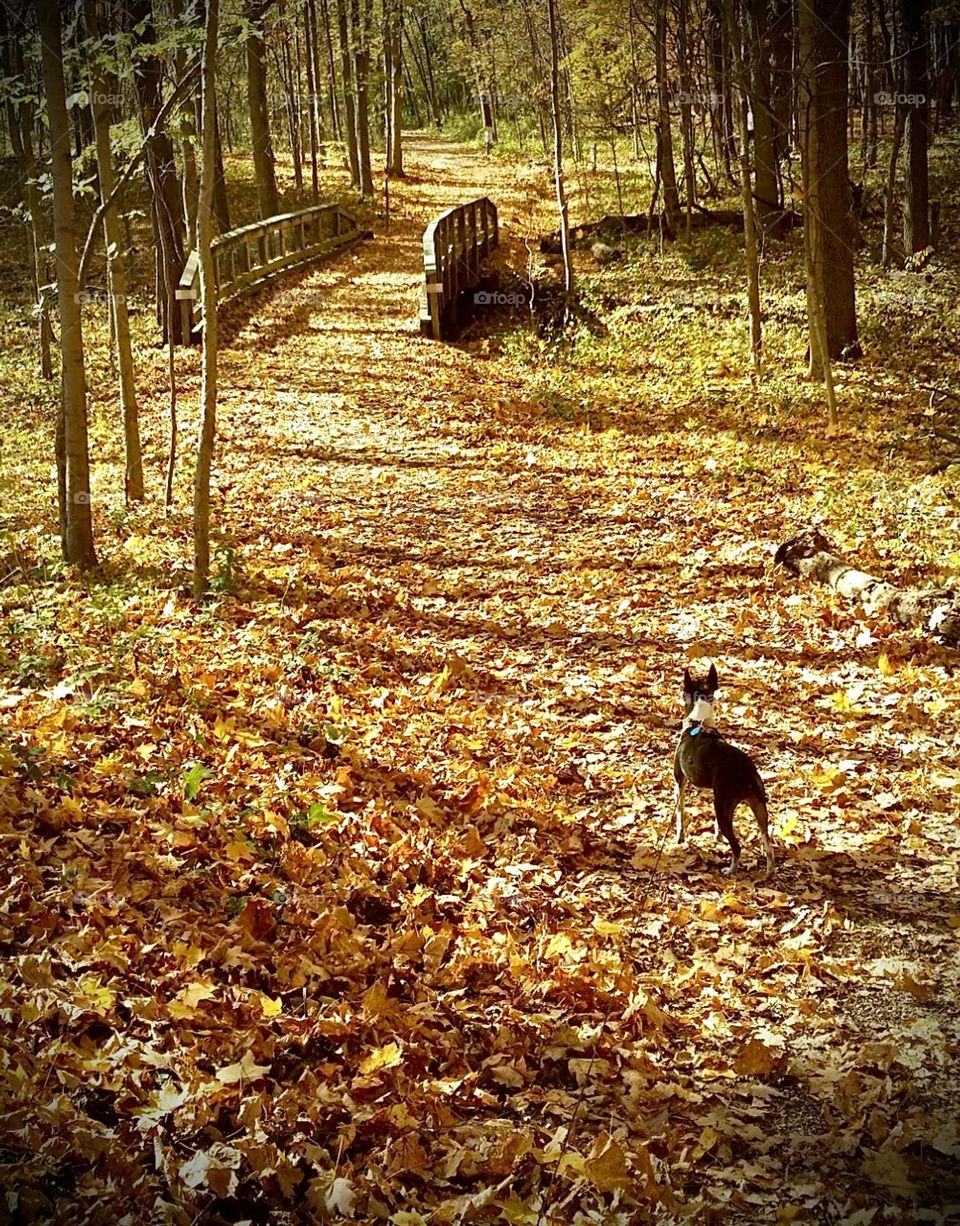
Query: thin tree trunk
[(315, 51), (349, 110), (187, 136), (221, 205), (313, 87), (78, 527), (263, 159), (746, 193), (20, 123), (768, 192), (558, 149), (668, 174), (208, 301), (291, 65), (392, 37), (116, 269), (890, 195), (686, 118), (360, 22), (331, 73), (164, 183), (820, 356)]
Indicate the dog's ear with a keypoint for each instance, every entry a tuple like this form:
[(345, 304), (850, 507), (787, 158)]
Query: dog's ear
[(712, 679), (687, 682)]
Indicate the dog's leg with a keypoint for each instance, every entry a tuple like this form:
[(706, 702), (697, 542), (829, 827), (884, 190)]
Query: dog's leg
[(679, 810), (724, 814), (760, 813)]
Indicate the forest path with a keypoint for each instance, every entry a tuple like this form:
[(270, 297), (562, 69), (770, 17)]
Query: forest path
[(355, 884), (511, 602)]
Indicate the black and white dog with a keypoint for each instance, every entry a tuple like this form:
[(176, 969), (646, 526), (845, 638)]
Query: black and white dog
[(705, 760)]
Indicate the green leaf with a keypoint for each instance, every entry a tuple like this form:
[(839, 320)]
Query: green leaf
[(319, 815), (193, 779)]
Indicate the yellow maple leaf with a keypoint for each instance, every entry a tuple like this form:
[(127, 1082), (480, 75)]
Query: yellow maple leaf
[(381, 1057), (246, 1069)]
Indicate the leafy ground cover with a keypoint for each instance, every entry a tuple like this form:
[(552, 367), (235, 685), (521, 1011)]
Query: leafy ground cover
[(352, 892)]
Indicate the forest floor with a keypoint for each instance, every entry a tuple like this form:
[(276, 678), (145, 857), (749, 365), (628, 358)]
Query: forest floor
[(352, 892)]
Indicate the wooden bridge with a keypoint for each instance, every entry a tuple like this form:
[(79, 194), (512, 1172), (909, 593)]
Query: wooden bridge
[(253, 254), (454, 245)]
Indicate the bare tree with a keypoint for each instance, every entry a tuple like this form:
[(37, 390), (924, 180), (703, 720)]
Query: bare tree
[(916, 205), (263, 159), (553, 21), (21, 117), (740, 72), (208, 302), (824, 27), (116, 263), (76, 526)]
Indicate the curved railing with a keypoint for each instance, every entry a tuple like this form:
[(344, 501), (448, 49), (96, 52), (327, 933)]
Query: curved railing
[(251, 255), (453, 246)]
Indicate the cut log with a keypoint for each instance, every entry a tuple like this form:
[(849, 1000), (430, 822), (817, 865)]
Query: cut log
[(811, 556), (615, 226)]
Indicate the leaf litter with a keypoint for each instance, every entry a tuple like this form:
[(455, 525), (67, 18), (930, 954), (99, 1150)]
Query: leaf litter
[(353, 894)]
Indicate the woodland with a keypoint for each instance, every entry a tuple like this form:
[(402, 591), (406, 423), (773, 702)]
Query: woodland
[(397, 397)]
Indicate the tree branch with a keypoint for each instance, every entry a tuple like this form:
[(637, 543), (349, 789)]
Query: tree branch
[(134, 162)]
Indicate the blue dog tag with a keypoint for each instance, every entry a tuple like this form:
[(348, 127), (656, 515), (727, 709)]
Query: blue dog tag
[(695, 731)]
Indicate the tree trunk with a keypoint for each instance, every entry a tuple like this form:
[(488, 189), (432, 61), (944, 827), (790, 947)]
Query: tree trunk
[(890, 196), (811, 556), (668, 174), (188, 134), (686, 120), (78, 547), (349, 110), (221, 205), (767, 188), (263, 159), (746, 193), (208, 302), (916, 205), (291, 73), (116, 268), (313, 87), (360, 23), (558, 149), (331, 73), (394, 85), (20, 124), (824, 28), (162, 178)]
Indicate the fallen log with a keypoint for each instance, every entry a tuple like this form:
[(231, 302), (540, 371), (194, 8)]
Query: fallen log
[(936, 610), (614, 226)]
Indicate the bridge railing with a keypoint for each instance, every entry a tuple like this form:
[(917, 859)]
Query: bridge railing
[(454, 244), (252, 254)]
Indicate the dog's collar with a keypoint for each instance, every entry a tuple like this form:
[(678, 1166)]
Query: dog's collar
[(696, 726)]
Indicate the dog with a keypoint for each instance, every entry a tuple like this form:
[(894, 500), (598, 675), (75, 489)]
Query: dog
[(705, 760)]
